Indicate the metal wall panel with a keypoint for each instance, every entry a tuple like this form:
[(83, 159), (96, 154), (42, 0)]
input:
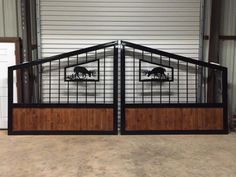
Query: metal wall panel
[(2, 29), (170, 25), (8, 18), (228, 49)]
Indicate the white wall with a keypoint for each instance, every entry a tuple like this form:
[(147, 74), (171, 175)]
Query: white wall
[(7, 58)]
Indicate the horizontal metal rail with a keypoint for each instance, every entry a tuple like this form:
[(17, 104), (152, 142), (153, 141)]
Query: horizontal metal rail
[(64, 55), (125, 43), (174, 56)]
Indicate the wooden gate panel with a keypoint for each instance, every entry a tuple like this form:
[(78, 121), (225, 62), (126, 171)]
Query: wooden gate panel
[(174, 119), (46, 119)]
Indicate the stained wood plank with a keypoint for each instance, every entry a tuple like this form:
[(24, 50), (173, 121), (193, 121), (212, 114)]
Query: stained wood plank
[(174, 119), (62, 119)]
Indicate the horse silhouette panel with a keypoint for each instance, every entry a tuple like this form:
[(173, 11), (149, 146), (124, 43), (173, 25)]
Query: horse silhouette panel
[(157, 72), (82, 72), (154, 72), (88, 71)]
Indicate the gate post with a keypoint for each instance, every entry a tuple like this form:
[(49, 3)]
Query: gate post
[(115, 89), (122, 89)]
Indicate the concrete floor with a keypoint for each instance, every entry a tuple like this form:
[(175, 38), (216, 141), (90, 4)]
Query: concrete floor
[(118, 156)]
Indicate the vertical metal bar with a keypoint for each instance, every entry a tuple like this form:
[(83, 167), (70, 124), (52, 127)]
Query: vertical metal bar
[(169, 82), (225, 98), (123, 102), (133, 75), (31, 84), (95, 86), (104, 73), (34, 84), (50, 82), (201, 79), (187, 81), (86, 83), (59, 81), (160, 82), (142, 82), (196, 83), (10, 99), (77, 83), (151, 84), (68, 83), (178, 80), (115, 88), (204, 84), (38, 82)]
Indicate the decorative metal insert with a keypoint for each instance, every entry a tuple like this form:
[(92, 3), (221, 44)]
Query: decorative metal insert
[(87, 71), (149, 71)]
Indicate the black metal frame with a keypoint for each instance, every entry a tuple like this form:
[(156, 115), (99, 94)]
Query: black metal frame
[(172, 105), (12, 105), (114, 44)]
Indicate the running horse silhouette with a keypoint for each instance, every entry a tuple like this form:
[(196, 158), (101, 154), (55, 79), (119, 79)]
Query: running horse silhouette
[(157, 72), (82, 72)]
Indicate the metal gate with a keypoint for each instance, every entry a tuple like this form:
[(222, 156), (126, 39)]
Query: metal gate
[(77, 93), (166, 93), (71, 93)]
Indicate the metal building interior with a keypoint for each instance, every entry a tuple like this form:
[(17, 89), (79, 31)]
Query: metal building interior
[(161, 71)]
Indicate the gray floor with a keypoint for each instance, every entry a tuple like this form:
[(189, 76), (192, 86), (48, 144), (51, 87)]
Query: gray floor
[(118, 156)]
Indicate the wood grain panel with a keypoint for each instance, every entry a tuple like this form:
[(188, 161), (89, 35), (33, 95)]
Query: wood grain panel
[(100, 119), (174, 118)]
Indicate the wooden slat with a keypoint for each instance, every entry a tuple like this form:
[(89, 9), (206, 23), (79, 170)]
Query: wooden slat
[(29, 119), (174, 119)]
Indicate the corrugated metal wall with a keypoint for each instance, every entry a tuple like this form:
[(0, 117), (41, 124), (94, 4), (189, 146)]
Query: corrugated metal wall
[(170, 25), (227, 51), (9, 18)]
